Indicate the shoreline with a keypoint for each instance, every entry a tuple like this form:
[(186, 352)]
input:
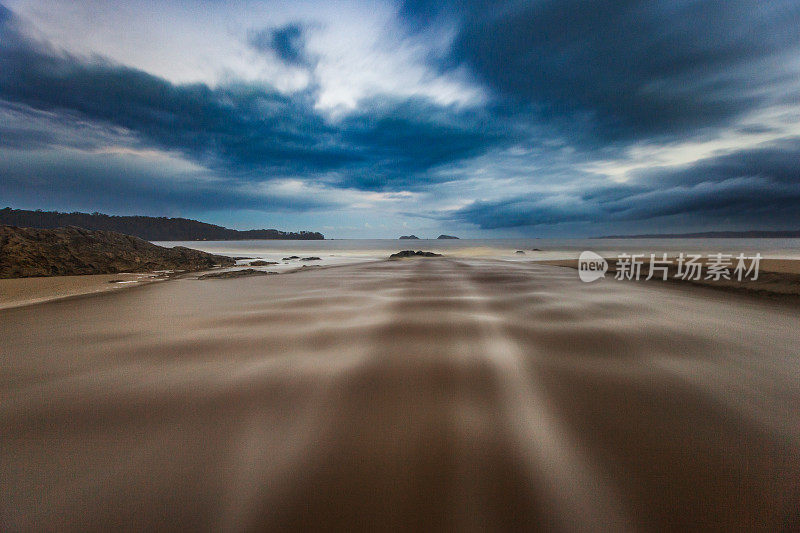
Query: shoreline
[(23, 292), (782, 283)]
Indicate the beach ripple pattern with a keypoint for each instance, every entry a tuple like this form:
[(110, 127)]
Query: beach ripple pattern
[(432, 394)]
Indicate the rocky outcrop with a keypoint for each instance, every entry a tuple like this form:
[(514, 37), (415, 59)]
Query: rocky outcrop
[(29, 252), (312, 258), (411, 253), (412, 237), (229, 274), (260, 263), (447, 237)]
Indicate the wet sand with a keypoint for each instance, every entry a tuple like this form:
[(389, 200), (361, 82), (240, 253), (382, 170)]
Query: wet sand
[(18, 292), (435, 394)]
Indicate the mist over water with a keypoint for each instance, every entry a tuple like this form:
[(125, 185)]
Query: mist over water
[(346, 251), (446, 394)]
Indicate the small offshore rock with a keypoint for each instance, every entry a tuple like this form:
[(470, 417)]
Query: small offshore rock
[(236, 274), (411, 253)]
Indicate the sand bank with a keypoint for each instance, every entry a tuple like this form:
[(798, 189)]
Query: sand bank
[(26, 291), (427, 394)]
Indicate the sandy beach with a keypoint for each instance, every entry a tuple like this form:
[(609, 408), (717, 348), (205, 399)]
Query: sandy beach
[(780, 278), (20, 292), (438, 394)]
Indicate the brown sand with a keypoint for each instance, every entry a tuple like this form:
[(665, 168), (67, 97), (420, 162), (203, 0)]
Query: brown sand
[(432, 394), (26, 291)]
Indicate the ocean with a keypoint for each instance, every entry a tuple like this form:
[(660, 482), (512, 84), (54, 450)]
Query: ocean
[(346, 251)]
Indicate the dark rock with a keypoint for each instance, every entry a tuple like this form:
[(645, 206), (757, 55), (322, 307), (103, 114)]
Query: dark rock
[(28, 252), (290, 258), (412, 253), (236, 274), (446, 237), (535, 250), (520, 252), (313, 258), (262, 263), (413, 237)]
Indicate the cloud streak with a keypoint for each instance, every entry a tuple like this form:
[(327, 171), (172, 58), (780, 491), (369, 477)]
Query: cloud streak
[(758, 187), (637, 68)]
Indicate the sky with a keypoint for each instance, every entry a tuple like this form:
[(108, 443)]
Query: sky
[(372, 119)]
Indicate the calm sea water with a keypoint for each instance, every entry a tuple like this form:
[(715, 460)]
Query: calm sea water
[(341, 251)]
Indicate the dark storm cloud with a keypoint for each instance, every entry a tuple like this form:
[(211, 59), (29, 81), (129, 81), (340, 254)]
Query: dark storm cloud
[(244, 129), (26, 138), (636, 68), (750, 187), (67, 180), (239, 125), (399, 149), (778, 161), (287, 42)]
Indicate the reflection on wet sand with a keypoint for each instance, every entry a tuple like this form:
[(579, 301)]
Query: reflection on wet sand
[(427, 394)]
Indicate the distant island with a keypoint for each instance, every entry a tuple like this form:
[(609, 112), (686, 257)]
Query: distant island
[(414, 237), (147, 228), (787, 234), (32, 252)]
